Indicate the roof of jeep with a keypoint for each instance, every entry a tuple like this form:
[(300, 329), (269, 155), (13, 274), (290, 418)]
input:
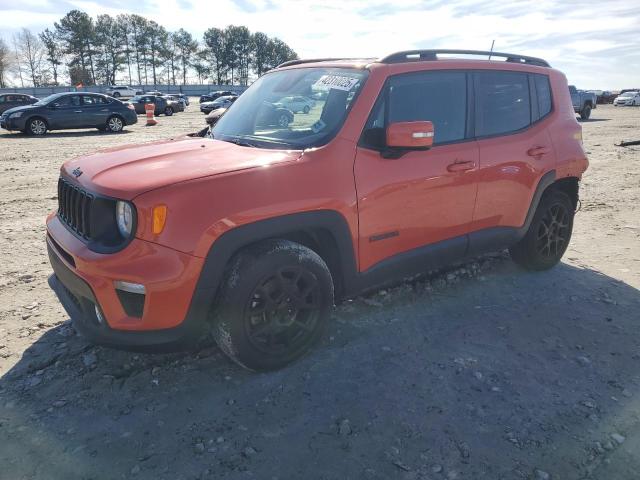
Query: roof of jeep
[(412, 56)]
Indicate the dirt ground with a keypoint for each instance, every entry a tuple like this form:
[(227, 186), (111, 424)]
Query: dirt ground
[(483, 371)]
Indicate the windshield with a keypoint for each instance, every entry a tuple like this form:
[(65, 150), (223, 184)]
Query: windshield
[(628, 94), (47, 100), (295, 109)]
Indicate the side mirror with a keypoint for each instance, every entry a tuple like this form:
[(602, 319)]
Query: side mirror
[(410, 135), (402, 137)]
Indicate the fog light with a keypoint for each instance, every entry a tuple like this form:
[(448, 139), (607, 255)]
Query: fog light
[(129, 287), (99, 315)]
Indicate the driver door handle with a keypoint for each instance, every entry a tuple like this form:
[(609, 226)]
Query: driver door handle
[(461, 166), (538, 151), (77, 111)]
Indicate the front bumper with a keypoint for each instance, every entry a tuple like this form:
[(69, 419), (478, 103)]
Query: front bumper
[(174, 311), (12, 123)]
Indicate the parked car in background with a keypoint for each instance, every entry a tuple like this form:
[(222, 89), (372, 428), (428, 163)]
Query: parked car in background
[(70, 110), (162, 106), (583, 102), (211, 96), (181, 97), (11, 100), (183, 100), (155, 92), (604, 97), (174, 103), (297, 103), (122, 91), (273, 115), (220, 102), (631, 98)]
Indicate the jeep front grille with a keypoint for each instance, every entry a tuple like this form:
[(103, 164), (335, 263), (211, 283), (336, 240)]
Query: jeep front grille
[(74, 208)]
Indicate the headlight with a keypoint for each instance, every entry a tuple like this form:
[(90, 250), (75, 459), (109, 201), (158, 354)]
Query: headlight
[(16, 115), (124, 217)]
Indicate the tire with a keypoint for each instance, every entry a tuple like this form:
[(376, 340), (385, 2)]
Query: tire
[(116, 94), (586, 112), (274, 305), (168, 111), (115, 124), (37, 126), (306, 109), (283, 121), (549, 234)]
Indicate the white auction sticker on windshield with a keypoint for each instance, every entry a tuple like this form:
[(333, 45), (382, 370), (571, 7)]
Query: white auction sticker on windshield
[(336, 82)]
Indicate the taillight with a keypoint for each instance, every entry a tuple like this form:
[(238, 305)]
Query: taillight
[(578, 135), (130, 107)]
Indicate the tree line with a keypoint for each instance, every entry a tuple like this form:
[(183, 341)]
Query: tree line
[(79, 49)]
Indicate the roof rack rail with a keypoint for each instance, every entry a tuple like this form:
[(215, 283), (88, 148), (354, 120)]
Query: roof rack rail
[(422, 55), (315, 60)]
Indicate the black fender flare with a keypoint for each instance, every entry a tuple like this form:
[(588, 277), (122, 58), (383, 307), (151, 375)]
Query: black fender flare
[(237, 238)]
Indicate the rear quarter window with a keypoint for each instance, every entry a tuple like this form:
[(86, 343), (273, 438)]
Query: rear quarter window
[(543, 92), (502, 103)]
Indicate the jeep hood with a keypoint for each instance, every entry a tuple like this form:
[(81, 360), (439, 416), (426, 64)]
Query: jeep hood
[(126, 172)]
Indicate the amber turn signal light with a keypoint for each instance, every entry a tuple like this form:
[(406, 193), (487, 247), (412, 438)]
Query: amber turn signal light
[(159, 218)]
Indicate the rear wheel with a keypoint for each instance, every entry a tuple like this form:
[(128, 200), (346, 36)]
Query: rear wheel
[(274, 305), (36, 126), (586, 112), (116, 94), (549, 233), (306, 109), (115, 124)]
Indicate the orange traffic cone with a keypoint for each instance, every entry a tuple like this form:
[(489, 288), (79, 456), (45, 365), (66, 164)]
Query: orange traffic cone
[(149, 109)]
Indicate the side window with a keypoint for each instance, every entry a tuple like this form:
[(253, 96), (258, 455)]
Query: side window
[(2, 98), (68, 101), (88, 100), (502, 102), (543, 92), (439, 97)]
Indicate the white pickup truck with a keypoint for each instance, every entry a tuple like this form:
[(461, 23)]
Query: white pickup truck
[(122, 91)]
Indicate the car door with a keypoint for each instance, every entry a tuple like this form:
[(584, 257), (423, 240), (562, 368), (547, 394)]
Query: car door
[(9, 101), (95, 111), (423, 198), (515, 148), (65, 112)]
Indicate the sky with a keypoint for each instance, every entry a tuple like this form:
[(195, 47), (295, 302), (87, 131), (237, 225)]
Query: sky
[(595, 43)]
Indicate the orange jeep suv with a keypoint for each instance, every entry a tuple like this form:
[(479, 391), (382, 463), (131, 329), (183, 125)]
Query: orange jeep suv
[(403, 164)]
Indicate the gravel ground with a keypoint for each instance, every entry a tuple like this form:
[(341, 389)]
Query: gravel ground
[(479, 371)]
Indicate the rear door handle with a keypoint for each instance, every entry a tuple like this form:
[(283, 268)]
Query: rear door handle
[(538, 151), (461, 166), (77, 111)]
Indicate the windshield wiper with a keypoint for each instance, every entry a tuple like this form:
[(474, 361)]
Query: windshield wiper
[(241, 142)]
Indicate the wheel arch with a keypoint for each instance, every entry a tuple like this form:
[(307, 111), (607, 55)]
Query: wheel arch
[(326, 232), (570, 186)]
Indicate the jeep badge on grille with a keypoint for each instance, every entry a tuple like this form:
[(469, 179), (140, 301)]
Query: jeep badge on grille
[(77, 172)]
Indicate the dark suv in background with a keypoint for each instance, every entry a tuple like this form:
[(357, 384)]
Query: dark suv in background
[(162, 105), (11, 100), (69, 110)]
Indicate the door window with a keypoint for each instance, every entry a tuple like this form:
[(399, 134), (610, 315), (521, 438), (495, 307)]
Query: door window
[(68, 101), (439, 97), (502, 102)]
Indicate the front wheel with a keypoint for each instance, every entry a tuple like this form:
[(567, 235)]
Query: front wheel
[(274, 305), (283, 121), (168, 111), (37, 126), (548, 236), (116, 94), (306, 109)]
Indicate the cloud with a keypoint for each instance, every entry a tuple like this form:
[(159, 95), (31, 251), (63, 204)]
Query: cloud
[(595, 44)]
